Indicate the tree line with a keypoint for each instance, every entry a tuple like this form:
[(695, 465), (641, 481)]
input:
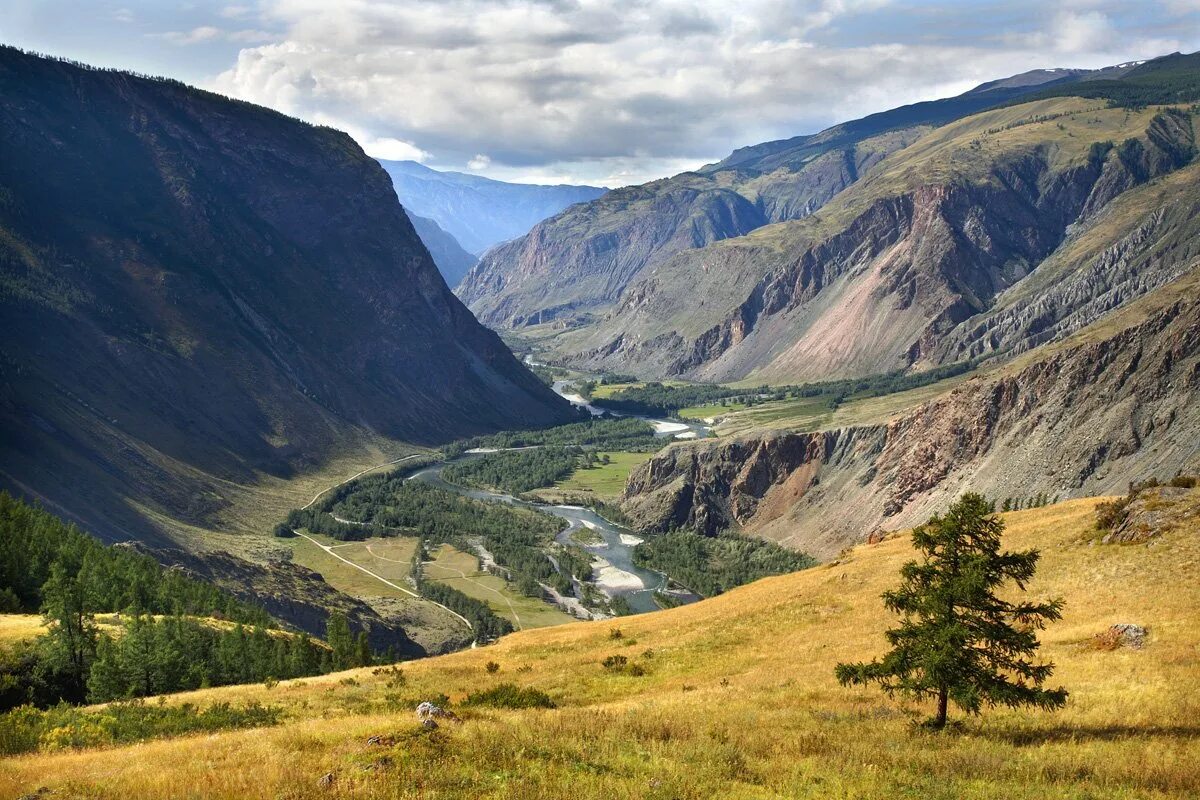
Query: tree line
[(659, 399), (710, 565), (172, 632), (518, 471), (607, 433)]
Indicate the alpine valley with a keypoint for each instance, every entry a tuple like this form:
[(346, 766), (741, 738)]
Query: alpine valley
[(328, 476)]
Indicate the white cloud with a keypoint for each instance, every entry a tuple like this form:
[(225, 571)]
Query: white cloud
[(197, 35), (480, 161), (600, 90)]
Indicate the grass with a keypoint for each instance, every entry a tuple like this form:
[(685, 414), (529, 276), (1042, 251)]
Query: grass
[(738, 700), (461, 571), (343, 576), (20, 627), (710, 410), (605, 481), (814, 413)]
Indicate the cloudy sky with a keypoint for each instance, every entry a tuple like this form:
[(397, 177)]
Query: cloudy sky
[(582, 91)]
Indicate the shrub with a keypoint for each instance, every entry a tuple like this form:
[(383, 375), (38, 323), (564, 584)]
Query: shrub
[(1111, 513), (492, 667), (1184, 481), (509, 695), (615, 662)]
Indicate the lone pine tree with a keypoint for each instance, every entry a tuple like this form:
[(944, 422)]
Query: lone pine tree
[(957, 640)]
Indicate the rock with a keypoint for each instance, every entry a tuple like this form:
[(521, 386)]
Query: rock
[(1122, 634), (876, 536), (1130, 635), (428, 714), (1154, 512), (326, 781)]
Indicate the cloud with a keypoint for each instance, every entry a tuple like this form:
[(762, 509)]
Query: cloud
[(480, 161), (599, 90), (197, 35)]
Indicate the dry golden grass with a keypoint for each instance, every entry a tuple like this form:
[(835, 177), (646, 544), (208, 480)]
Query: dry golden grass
[(739, 702), (20, 627)]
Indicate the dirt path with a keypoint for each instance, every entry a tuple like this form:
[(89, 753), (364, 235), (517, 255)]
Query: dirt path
[(330, 548), (317, 496)]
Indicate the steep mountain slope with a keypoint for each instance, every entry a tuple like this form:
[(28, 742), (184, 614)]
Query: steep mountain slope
[(480, 212), (736, 698), (199, 293), (448, 255), (577, 264), (1118, 398), (871, 282)]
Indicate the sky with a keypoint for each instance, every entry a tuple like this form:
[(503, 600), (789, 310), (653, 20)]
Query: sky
[(579, 91)]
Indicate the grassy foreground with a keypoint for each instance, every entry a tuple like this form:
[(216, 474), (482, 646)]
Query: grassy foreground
[(738, 701)]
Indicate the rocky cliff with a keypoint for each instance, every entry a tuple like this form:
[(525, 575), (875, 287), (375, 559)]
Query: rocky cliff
[(576, 264), (882, 276), (198, 292), (1116, 401)]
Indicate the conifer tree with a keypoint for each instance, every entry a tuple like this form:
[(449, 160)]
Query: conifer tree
[(957, 641)]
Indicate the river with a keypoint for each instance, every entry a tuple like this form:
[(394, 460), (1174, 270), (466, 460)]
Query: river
[(613, 570)]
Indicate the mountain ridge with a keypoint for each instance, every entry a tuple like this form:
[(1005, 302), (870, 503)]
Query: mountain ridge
[(200, 294)]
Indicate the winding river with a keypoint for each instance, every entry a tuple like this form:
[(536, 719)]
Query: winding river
[(610, 545)]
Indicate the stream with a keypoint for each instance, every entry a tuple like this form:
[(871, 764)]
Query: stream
[(613, 570)]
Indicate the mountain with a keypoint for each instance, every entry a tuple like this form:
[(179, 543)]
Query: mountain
[(944, 232), (201, 296), (1118, 397), (731, 697), (480, 212), (451, 260), (659, 279)]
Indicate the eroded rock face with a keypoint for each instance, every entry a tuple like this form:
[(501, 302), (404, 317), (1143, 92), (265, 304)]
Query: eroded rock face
[(1154, 512), (908, 271), (1078, 421)]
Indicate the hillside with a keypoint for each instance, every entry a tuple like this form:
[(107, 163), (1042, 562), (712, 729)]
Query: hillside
[(201, 295), (448, 255), (926, 241), (738, 700), (480, 212), (1074, 418), (573, 267)]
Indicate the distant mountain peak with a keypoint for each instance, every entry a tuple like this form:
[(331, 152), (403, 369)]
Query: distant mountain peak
[(480, 212)]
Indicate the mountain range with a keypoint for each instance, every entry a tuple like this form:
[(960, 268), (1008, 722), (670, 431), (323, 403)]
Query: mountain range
[(1038, 232), (480, 212), (843, 253)]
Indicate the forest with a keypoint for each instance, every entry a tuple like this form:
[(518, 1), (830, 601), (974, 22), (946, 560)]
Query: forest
[(167, 632), (517, 471), (608, 433), (710, 565)]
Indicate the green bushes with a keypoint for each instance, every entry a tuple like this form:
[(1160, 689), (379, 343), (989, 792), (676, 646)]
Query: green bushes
[(509, 695), (657, 399), (26, 728)]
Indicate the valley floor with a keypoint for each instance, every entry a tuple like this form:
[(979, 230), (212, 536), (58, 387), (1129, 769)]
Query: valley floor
[(738, 700)]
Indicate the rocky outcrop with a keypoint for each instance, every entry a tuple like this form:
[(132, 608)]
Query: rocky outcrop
[(1079, 420)]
